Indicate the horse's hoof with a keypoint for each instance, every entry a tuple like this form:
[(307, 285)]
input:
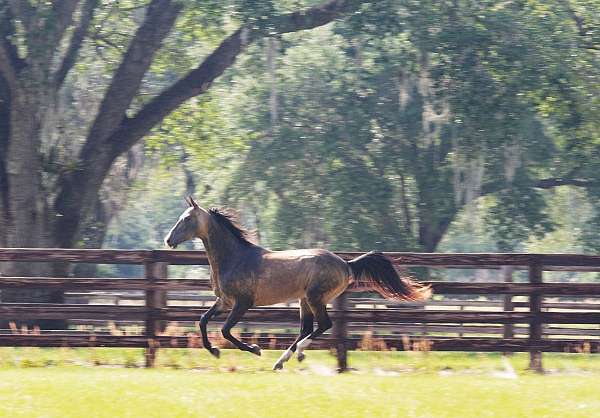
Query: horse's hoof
[(278, 366), (301, 356), (215, 351), (255, 349)]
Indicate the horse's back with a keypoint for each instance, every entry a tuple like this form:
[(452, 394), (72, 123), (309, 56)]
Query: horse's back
[(296, 254), (291, 274), (316, 259)]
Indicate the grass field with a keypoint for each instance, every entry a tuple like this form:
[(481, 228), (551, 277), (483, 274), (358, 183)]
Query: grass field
[(189, 383)]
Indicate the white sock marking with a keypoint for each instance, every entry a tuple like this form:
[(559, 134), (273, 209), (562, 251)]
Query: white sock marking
[(287, 354), (302, 345)]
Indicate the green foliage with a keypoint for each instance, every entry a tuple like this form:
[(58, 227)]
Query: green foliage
[(379, 130), (311, 161), (435, 100), (198, 130), (516, 215)]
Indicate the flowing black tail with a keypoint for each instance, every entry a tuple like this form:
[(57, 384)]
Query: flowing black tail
[(374, 270)]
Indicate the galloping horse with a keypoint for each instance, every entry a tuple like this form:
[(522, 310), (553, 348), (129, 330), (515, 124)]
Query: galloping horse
[(244, 275)]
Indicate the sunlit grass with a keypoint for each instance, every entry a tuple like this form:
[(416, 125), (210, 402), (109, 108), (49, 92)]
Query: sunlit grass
[(235, 360), (110, 382), (436, 385)]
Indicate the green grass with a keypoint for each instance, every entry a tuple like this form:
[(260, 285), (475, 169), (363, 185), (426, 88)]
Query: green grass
[(189, 383)]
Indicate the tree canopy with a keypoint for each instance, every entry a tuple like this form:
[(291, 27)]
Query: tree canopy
[(378, 127), (380, 130), (51, 182)]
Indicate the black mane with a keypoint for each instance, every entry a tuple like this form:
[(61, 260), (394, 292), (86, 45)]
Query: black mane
[(228, 220)]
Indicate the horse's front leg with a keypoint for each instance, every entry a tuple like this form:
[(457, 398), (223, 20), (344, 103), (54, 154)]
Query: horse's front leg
[(212, 312), (239, 309)]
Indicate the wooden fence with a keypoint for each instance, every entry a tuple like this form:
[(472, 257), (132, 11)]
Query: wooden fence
[(548, 316)]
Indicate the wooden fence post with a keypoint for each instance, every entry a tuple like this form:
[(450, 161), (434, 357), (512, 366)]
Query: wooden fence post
[(507, 275), (340, 331), (535, 326), (155, 299)]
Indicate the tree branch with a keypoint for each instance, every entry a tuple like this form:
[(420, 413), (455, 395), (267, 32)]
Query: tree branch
[(582, 28), (44, 27), (311, 18), (10, 63), (199, 79), (160, 17), (63, 11), (558, 181), (25, 13), (7, 67), (408, 223), (78, 188), (547, 183), (79, 34)]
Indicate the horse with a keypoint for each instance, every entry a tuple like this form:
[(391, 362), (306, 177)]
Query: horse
[(245, 275)]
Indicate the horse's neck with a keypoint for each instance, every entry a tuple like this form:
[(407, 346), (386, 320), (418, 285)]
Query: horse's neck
[(222, 249)]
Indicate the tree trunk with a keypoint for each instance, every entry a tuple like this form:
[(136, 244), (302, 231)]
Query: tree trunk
[(94, 231), (431, 232), (33, 217), (27, 221), (4, 133), (273, 45), (25, 198)]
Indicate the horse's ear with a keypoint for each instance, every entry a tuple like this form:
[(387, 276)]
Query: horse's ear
[(190, 200)]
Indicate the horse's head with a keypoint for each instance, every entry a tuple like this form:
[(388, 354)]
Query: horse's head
[(191, 224)]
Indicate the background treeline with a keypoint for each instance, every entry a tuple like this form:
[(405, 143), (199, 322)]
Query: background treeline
[(449, 129), (400, 125)]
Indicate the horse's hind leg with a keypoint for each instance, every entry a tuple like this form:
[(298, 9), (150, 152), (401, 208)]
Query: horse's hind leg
[(212, 311), (323, 324), (306, 327), (239, 309)]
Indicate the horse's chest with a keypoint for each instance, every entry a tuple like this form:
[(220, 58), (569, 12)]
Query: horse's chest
[(214, 283), (233, 284)]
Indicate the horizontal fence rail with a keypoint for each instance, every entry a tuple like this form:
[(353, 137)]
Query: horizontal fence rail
[(576, 262), (516, 316), (448, 288)]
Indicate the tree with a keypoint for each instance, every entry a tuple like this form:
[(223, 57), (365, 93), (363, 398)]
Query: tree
[(39, 47), (395, 125), (49, 193)]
